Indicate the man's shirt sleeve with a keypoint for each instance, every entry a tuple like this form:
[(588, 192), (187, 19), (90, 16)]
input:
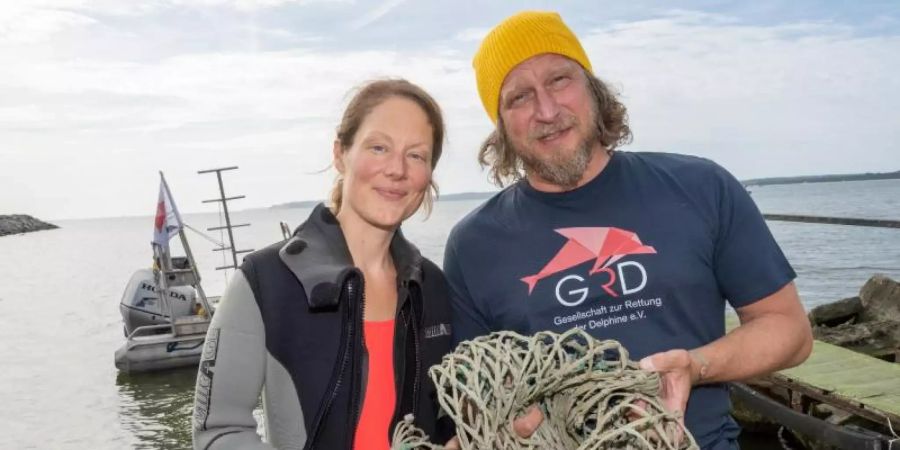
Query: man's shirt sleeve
[(468, 321), (749, 264)]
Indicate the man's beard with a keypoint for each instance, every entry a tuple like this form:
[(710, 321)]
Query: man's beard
[(559, 167)]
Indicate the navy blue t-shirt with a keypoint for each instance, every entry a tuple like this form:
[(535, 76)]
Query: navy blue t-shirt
[(646, 253)]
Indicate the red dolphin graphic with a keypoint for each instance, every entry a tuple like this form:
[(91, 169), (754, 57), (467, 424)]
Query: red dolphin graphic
[(605, 244)]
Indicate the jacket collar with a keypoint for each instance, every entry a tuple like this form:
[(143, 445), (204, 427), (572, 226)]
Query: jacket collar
[(318, 256)]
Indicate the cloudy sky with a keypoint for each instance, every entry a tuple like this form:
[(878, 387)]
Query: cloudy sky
[(96, 96)]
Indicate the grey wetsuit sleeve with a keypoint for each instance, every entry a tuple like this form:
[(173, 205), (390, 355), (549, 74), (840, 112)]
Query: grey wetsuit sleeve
[(231, 373)]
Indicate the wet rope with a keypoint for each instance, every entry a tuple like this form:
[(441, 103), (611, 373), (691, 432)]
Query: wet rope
[(218, 244), (782, 439), (894, 433), (592, 396)]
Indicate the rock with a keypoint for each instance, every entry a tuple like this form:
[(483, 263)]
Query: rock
[(880, 298), (832, 314), (20, 223), (874, 338), (867, 324)]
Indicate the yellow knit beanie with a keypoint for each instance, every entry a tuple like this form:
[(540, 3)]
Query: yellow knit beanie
[(516, 39)]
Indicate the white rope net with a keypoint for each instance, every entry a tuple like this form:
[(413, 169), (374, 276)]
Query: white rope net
[(591, 395)]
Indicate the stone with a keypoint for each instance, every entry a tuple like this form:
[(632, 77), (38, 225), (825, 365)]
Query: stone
[(880, 298), (20, 223), (836, 313), (873, 338)]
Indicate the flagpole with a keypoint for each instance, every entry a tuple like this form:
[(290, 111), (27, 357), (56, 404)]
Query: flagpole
[(207, 311), (162, 290), (199, 287)]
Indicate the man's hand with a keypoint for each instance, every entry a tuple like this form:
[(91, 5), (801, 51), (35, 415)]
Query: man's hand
[(677, 375), (524, 425)]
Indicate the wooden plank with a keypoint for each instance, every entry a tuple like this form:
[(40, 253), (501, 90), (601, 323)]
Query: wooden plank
[(871, 382), (838, 402), (845, 378)]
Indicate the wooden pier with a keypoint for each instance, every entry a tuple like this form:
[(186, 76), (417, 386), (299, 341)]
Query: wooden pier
[(854, 383)]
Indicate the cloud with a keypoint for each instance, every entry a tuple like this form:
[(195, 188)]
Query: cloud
[(471, 34), (762, 100), (27, 26), (115, 104), (375, 14), (249, 5), (267, 111)]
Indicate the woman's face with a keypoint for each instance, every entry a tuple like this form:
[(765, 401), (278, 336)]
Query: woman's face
[(387, 170)]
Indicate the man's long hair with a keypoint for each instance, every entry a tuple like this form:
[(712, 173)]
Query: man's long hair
[(612, 131)]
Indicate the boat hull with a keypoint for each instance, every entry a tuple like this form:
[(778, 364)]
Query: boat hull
[(159, 352)]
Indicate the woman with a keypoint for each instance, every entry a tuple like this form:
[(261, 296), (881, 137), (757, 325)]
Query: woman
[(337, 326)]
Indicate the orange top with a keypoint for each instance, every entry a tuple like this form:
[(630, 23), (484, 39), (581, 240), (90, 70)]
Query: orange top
[(381, 399)]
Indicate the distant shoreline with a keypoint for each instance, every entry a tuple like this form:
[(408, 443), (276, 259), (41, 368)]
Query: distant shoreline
[(442, 198), (822, 178), (751, 182)]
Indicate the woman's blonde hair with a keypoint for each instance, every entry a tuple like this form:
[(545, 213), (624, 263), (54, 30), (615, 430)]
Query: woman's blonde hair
[(369, 96)]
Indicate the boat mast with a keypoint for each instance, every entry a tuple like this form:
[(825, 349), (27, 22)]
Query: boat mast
[(228, 225)]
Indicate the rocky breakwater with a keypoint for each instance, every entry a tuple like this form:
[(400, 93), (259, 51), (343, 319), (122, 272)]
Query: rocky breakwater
[(868, 323), (20, 223)]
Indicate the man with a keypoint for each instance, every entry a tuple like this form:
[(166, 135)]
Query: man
[(644, 248)]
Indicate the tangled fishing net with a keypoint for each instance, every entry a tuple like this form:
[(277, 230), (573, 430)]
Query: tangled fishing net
[(592, 396)]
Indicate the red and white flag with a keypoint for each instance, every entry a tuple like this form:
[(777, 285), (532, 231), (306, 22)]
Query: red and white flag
[(168, 221)]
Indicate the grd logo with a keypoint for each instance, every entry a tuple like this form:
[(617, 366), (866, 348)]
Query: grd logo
[(605, 245)]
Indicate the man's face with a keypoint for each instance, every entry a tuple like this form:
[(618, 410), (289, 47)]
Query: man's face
[(548, 115)]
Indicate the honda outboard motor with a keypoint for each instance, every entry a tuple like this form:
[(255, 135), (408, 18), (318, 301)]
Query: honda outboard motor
[(141, 306)]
